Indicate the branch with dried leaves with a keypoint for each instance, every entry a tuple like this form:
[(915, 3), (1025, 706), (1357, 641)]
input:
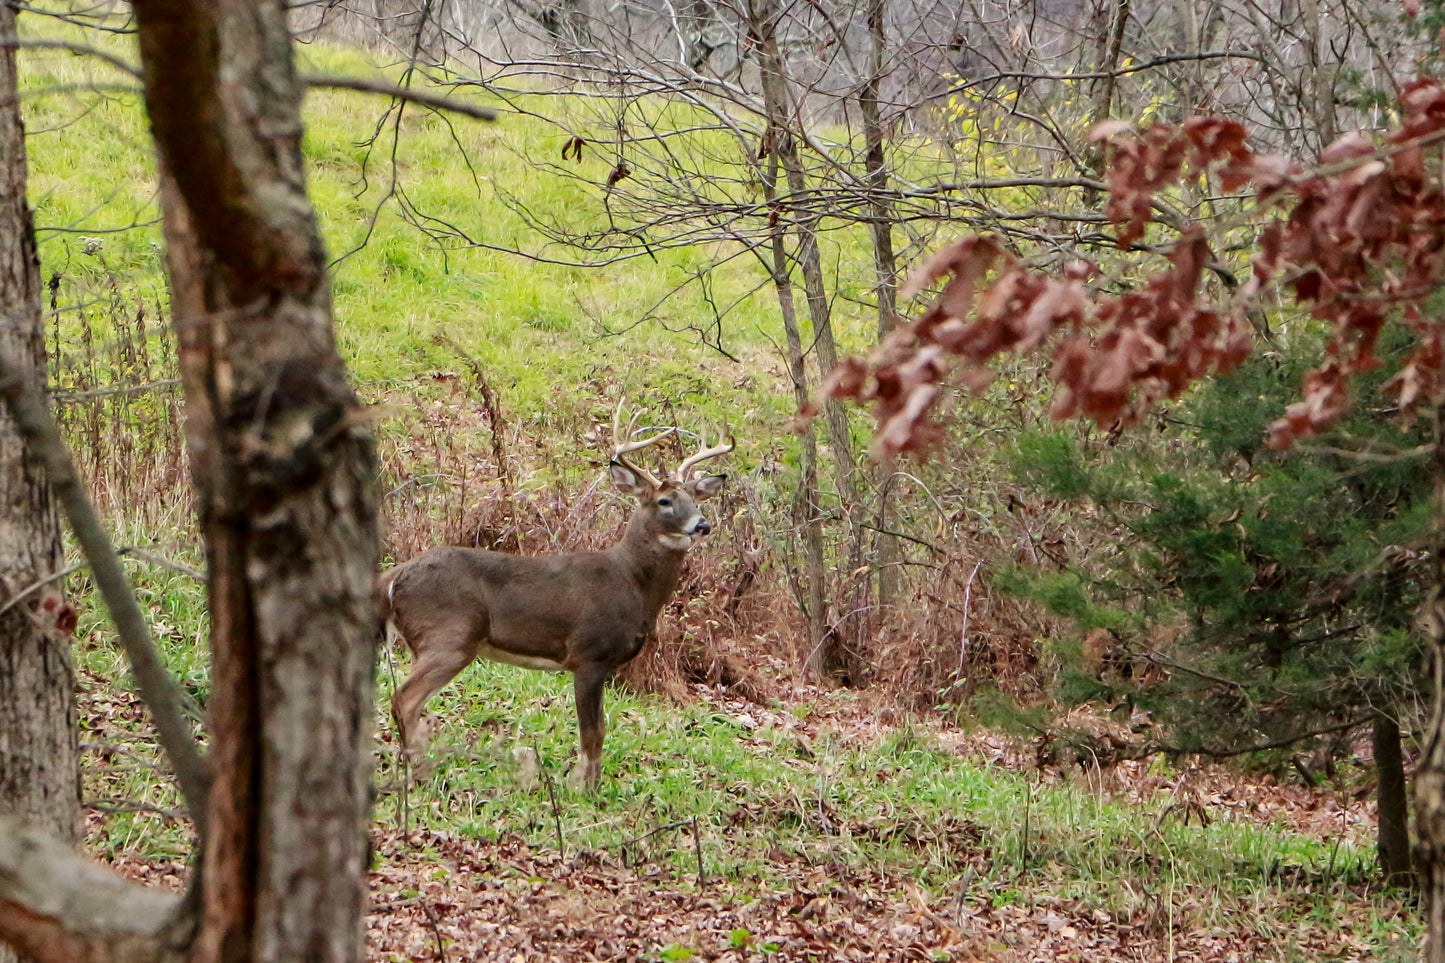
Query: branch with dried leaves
[(1325, 233)]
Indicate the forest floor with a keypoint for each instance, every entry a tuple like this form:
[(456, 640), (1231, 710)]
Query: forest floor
[(515, 895)]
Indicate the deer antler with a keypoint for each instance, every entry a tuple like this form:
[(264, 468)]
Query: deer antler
[(622, 446), (726, 443)]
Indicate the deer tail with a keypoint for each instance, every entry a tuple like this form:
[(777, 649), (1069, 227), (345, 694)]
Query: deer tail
[(381, 597)]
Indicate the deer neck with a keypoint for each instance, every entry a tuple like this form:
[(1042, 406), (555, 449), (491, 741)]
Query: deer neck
[(654, 561)]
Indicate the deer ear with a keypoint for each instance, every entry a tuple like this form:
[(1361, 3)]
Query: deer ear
[(627, 480), (709, 486)]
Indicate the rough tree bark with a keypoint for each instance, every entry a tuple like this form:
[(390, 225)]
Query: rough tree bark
[(284, 473), (1430, 777), (39, 767)]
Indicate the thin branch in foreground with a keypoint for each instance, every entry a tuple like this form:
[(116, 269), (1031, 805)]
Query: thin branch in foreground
[(386, 89), (28, 407)]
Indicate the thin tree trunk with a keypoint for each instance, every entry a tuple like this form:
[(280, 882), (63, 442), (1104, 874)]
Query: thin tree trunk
[(807, 513), (284, 473), (886, 554), (855, 602), (39, 767), (1110, 50), (1113, 49), (1321, 71), (1394, 808)]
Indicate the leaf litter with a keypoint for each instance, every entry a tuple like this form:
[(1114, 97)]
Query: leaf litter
[(444, 896)]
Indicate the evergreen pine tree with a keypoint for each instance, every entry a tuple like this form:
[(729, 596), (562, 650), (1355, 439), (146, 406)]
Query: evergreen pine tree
[(1270, 596)]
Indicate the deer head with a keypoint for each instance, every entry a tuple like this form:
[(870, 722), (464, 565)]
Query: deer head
[(667, 509)]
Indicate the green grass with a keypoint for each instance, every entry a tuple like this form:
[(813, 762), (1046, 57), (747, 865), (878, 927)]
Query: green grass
[(900, 801)]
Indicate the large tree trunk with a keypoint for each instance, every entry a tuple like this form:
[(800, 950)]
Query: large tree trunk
[(284, 473), (1430, 779), (285, 477), (39, 769)]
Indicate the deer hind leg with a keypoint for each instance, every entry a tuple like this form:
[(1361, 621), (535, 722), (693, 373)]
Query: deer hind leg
[(437, 662), (587, 683)]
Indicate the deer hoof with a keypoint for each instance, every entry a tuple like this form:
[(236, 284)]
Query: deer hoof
[(585, 775)]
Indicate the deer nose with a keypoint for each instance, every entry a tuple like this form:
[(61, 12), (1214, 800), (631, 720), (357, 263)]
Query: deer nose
[(702, 528)]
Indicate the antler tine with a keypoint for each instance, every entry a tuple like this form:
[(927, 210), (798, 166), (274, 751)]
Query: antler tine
[(726, 443), (622, 446)]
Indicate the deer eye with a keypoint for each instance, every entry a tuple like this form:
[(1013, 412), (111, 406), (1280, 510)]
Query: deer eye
[(664, 501)]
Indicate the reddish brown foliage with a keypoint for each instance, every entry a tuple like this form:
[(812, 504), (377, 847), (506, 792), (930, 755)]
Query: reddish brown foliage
[(1359, 241)]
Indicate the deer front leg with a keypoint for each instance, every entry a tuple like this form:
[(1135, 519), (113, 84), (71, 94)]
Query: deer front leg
[(587, 683)]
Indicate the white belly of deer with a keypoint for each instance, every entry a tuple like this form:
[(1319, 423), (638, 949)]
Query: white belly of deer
[(494, 654)]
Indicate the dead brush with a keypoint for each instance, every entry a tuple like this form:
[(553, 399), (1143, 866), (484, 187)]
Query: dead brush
[(949, 631), (114, 383)]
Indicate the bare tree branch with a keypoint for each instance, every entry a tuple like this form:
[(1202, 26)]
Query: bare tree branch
[(75, 48), (421, 99), (58, 907)]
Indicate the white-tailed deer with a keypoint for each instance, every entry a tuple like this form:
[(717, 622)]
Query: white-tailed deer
[(586, 612)]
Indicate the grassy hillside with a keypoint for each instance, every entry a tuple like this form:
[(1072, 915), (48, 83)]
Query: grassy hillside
[(802, 818), (400, 281)]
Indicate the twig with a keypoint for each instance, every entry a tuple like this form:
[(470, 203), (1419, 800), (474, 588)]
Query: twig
[(403, 797), (903, 535), (697, 848), (139, 553), (76, 397), (1028, 815), (551, 794), (28, 407), (375, 909), (127, 807), (75, 48), (436, 932), (963, 632), (152, 558), (649, 834)]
